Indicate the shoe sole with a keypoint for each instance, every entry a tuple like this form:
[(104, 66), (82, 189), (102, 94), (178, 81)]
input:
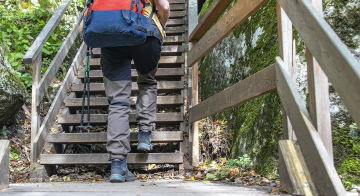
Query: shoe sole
[(121, 179)]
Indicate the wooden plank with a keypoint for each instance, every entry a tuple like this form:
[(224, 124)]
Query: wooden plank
[(319, 103), (57, 61), (161, 74), (163, 60), (162, 86), (165, 50), (195, 125), (285, 52), (177, 7), (231, 20), (102, 158), (174, 30), (97, 119), (36, 48), (254, 86), (4, 163), (213, 13), (55, 106), (176, 1), (35, 109), (174, 39), (102, 102), (324, 175), (177, 14), (294, 176), (175, 22), (341, 67), (84, 138)]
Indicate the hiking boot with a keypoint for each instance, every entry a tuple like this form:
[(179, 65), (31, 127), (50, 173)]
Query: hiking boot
[(144, 140), (120, 172)]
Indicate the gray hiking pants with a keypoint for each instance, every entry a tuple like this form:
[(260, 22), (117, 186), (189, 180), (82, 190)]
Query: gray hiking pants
[(116, 67)]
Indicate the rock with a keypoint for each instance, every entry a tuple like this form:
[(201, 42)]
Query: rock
[(273, 185), (12, 92)]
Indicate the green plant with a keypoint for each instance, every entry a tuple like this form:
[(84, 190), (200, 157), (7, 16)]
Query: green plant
[(4, 131), (14, 155)]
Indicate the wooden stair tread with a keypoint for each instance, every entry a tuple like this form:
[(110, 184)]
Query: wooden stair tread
[(177, 7), (97, 119), (176, 1), (162, 87), (102, 158), (163, 60), (102, 102), (160, 72), (165, 50), (175, 22), (83, 138), (177, 14)]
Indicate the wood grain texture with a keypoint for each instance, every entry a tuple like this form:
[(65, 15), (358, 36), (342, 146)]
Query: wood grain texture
[(177, 7), (317, 159), (84, 138), (285, 52), (36, 48), (57, 61), (102, 102), (162, 86), (165, 50), (342, 69), (213, 13), (254, 86), (176, 1), (319, 103), (177, 14), (175, 22), (163, 60), (35, 109), (102, 158), (294, 175), (161, 74), (242, 10), (97, 119), (55, 106)]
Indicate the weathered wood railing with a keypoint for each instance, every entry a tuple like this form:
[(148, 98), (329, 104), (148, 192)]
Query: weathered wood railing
[(39, 130), (312, 131)]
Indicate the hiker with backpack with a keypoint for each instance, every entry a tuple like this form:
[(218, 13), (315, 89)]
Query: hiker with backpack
[(127, 30)]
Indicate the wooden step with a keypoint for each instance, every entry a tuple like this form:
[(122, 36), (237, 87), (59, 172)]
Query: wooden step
[(100, 119), (163, 87), (87, 138), (102, 158), (177, 7), (175, 22), (176, 1), (161, 74), (102, 102), (177, 14), (164, 62), (165, 50), (174, 30)]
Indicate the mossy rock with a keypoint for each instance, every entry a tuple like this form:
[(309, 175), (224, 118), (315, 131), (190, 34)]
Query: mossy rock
[(12, 94)]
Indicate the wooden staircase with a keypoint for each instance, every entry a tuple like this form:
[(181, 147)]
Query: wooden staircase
[(171, 86)]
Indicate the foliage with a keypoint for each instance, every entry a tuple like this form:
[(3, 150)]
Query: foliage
[(4, 131), (20, 23), (14, 155)]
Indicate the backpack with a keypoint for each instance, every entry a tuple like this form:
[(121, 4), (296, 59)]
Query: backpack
[(110, 23)]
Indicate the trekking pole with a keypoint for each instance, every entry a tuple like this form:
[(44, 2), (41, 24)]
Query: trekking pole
[(86, 82), (87, 77)]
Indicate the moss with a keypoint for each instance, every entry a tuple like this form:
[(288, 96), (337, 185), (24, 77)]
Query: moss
[(256, 126)]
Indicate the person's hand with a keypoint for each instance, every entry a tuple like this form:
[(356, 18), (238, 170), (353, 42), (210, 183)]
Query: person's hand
[(164, 33)]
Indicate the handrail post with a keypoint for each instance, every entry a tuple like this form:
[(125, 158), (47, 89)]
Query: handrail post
[(35, 109), (319, 106), (194, 131), (286, 52)]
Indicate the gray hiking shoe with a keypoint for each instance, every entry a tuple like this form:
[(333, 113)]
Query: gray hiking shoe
[(120, 172), (144, 140)]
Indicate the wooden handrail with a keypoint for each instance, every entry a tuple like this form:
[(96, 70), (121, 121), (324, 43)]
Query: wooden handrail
[(341, 67), (318, 160), (58, 59), (214, 12), (241, 11), (36, 48), (252, 87)]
